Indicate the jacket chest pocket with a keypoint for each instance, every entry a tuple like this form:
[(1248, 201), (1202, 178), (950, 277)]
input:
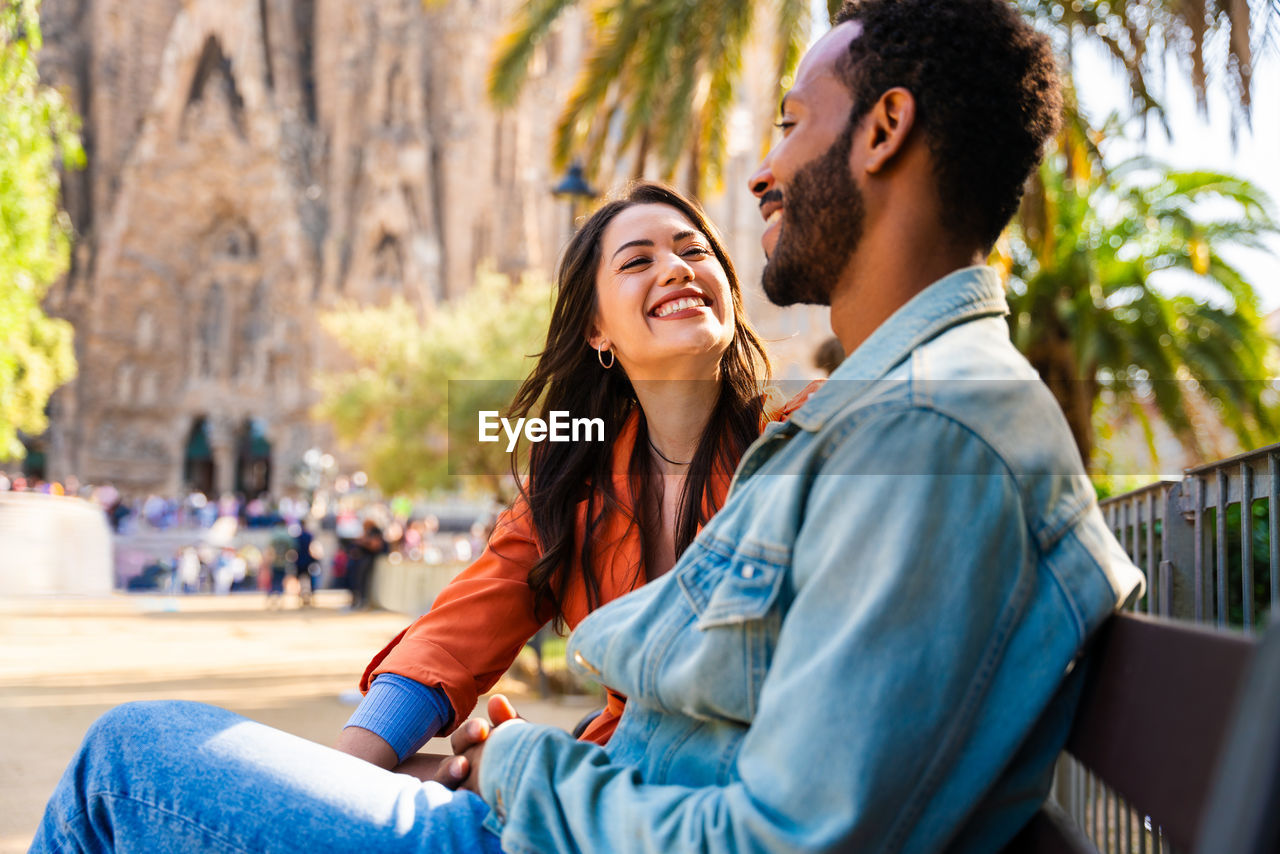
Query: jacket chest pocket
[(716, 667)]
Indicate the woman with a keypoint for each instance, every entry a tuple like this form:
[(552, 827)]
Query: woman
[(648, 335)]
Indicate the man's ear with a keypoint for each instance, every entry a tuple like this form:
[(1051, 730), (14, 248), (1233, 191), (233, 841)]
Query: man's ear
[(886, 127)]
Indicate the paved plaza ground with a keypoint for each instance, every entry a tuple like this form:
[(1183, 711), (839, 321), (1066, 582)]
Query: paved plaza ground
[(65, 661)]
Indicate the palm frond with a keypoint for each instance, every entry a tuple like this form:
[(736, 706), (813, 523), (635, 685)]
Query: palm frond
[(515, 48)]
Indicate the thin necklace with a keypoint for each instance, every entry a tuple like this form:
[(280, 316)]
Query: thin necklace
[(664, 456)]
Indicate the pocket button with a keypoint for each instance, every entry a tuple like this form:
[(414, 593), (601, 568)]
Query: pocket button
[(748, 571)]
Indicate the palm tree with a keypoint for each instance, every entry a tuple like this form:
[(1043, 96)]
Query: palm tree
[(1085, 259), (1142, 35), (658, 82), (660, 75)]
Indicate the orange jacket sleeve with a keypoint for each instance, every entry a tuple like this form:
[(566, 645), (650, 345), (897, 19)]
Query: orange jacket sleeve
[(477, 625)]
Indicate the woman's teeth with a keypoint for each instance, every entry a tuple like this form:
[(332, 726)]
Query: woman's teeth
[(677, 305)]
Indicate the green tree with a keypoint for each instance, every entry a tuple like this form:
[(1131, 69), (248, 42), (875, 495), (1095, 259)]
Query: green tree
[(407, 376), (1086, 259), (37, 129)]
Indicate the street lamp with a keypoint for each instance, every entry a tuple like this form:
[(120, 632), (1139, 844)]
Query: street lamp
[(574, 187)]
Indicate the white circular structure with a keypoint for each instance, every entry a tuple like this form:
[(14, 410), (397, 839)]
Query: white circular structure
[(53, 545)]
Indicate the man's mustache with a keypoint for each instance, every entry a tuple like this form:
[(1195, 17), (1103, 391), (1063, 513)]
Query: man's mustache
[(774, 195)]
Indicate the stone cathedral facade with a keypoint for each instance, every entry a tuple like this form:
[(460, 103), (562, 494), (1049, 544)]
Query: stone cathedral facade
[(253, 162)]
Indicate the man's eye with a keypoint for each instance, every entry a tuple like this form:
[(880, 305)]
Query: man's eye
[(784, 125)]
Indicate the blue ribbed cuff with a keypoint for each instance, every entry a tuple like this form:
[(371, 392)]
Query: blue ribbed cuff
[(403, 713)]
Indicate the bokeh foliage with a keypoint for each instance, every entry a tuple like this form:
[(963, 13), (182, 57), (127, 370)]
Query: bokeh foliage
[(37, 132), (392, 405)]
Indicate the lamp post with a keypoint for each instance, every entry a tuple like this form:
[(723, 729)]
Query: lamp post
[(573, 187)]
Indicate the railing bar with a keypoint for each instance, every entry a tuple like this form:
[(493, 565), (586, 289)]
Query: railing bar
[(1151, 552), (1122, 524), (1100, 807), (1128, 827), (1220, 518), (1079, 779), (1122, 511), (1118, 806), (1073, 783), (1131, 511), (1246, 544), (1112, 818), (1084, 800), (1104, 797), (1199, 550), (1255, 454), (1137, 531), (1100, 825), (1090, 808), (1274, 519)]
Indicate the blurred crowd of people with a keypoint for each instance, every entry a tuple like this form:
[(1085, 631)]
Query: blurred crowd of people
[(271, 545)]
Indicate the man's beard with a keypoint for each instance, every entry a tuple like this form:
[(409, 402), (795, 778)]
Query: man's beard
[(820, 229)]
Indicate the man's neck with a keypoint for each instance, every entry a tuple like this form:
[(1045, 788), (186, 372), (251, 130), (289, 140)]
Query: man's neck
[(876, 284)]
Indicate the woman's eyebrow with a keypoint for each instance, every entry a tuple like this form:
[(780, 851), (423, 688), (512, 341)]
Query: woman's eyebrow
[(629, 244), (675, 238)]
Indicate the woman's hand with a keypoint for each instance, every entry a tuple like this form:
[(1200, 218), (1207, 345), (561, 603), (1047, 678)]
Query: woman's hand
[(448, 771)]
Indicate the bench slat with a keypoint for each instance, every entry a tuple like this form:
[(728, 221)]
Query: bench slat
[(1154, 713)]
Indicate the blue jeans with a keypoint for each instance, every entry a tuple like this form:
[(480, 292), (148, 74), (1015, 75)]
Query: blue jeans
[(175, 776)]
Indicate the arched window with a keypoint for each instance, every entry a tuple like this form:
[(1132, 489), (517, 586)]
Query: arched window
[(198, 467)]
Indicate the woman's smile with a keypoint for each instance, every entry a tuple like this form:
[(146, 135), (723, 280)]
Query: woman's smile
[(686, 302)]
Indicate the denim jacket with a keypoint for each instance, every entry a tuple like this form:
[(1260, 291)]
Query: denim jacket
[(869, 647)]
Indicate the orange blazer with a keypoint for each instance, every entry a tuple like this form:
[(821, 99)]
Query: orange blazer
[(481, 620)]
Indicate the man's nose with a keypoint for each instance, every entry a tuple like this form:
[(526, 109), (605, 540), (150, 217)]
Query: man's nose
[(761, 180)]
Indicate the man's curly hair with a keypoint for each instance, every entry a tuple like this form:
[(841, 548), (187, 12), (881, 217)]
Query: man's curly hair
[(987, 95)]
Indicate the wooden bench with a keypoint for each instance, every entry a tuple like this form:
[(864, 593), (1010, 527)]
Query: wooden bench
[(1183, 724)]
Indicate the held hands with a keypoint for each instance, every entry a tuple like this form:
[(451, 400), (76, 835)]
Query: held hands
[(468, 747), (462, 770)]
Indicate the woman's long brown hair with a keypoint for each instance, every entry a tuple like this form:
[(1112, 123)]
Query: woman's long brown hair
[(569, 377)]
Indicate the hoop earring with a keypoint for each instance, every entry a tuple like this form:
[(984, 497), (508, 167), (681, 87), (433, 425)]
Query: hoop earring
[(600, 357)]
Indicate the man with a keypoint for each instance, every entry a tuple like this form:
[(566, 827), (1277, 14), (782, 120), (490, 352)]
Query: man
[(866, 649), (869, 647)]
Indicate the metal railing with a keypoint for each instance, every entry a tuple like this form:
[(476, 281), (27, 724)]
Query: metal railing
[(1210, 547), (1208, 541)]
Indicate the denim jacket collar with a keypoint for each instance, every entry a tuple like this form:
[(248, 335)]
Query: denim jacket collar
[(966, 294)]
